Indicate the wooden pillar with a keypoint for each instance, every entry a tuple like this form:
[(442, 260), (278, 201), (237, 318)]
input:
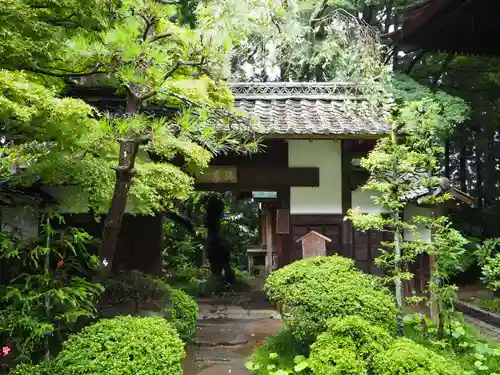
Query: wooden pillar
[(269, 239), (347, 230), (283, 238)]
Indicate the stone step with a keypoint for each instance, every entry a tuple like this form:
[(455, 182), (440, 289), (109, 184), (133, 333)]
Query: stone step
[(234, 312), (217, 356)]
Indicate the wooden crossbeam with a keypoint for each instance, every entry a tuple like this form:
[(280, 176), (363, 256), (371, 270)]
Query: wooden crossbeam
[(257, 178)]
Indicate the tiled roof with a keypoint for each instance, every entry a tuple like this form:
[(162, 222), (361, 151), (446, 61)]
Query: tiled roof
[(286, 108)]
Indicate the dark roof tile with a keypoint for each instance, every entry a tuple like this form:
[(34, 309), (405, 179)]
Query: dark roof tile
[(305, 109)]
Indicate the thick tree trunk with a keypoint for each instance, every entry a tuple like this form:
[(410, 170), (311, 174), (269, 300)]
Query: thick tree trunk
[(112, 224)]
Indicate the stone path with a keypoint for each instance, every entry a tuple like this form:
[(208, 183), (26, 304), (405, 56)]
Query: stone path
[(227, 335)]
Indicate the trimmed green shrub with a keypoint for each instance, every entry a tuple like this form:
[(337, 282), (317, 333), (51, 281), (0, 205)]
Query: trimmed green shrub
[(407, 357), (182, 311), (347, 347), (311, 291), (123, 345), (135, 292)]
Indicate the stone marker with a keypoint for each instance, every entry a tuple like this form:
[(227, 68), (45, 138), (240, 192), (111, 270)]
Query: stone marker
[(313, 244)]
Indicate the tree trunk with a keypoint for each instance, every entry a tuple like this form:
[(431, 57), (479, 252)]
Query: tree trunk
[(112, 224), (447, 167), (462, 168), (398, 240), (479, 173)]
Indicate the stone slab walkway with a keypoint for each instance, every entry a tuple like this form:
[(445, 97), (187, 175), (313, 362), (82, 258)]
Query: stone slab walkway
[(226, 337)]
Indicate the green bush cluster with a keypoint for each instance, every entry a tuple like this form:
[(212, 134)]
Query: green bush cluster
[(347, 347), (339, 321), (133, 291), (122, 345), (311, 291), (405, 357)]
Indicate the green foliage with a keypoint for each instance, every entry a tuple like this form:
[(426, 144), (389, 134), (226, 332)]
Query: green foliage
[(182, 311), (461, 343), (134, 292), (239, 226), (490, 304), (32, 33), (280, 352), (404, 168), (117, 346), (48, 293), (488, 256), (313, 290), (446, 110), (347, 347), (407, 357), (449, 249)]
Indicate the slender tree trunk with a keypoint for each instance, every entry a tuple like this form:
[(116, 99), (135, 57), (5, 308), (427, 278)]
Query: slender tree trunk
[(462, 168), (389, 10), (447, 167), (398, 239), (479, 173), (124, 174), (113, 222), (48, 307)]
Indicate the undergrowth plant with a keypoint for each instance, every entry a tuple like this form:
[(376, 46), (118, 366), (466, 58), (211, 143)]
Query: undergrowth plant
[(488, 256), (48, 294)]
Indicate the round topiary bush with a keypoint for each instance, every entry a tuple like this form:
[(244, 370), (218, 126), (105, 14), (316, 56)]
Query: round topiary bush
[(347, 347), (405, 357), (311, 291), (122, 345)]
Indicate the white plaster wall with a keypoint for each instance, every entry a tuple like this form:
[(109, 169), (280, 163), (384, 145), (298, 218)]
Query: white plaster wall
[(326, 198), (361, 200), (422, 233), (21, 220)]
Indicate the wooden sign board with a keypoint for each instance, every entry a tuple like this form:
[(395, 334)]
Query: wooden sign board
[(219, 175), (313, 245), (282, 221)]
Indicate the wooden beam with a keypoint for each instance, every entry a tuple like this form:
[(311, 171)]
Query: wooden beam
[(346, 193), (264, 178), (325, 137)]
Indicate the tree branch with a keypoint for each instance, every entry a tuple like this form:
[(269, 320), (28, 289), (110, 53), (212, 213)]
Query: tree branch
[(171, 72), (417, 58), (147, 29), (64, 75), (446, 62), (157, 37)]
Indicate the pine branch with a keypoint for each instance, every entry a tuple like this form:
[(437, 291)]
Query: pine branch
[(64, 75), (171, 72)]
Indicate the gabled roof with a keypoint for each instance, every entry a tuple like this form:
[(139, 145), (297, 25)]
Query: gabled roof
[(305, 109), (454, 26), (313, 233), (443, 188)]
